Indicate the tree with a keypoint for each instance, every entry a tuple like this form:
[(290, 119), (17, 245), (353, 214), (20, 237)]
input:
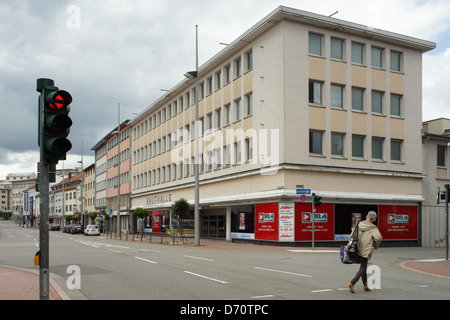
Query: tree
[(180, 208), (92, 215), (141, 214)]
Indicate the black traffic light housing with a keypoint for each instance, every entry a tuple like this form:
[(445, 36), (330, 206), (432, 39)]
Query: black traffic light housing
[(54, 127), (317, 201)]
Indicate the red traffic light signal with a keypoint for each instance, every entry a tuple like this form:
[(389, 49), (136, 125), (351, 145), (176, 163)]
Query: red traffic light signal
[(56, 100)]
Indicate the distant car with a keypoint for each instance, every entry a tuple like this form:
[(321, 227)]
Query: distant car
[(76, 228), (66, 228), (54, 226), (92, 230)]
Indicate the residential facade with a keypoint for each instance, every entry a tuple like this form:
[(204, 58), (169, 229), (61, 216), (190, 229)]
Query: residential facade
[(19, 183), (299, 101), (436, 168), (114, 150)]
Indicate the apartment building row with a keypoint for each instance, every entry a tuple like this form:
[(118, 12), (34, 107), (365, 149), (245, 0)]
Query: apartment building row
[(299, 100)]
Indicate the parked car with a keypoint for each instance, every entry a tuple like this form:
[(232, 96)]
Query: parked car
[(92, 230), (76, 228), (66, 228), (54, 226)]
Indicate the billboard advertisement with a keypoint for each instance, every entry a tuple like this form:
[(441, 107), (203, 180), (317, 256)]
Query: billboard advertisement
[(156, 221), (398, 222), (323, 222), (286, 222), (266, 221)]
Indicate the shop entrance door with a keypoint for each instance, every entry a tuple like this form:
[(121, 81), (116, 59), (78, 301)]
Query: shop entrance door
[(213, 227)]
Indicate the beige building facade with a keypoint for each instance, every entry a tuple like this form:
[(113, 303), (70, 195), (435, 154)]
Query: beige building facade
[(299, 101)]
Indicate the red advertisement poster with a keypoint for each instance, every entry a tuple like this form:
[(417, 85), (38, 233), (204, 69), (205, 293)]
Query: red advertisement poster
[(156, 221), (398, 222), (266, 221), (323, 222)]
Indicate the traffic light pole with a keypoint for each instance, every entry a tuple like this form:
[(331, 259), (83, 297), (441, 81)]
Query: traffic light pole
[(44, 172), (313, 218)]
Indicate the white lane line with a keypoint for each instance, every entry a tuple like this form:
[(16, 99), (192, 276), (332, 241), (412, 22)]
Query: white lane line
[(263, 297), (198, 258), (324, 290), (204, 277), (279, 271), (115, 251), (149, 261)]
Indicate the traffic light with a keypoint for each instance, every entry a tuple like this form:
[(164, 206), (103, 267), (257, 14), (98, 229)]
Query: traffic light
[(317, 201), (56, 123)]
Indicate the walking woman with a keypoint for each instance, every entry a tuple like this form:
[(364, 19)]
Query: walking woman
[(369, 240)]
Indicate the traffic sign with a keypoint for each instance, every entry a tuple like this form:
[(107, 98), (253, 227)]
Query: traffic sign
[(303, 191)]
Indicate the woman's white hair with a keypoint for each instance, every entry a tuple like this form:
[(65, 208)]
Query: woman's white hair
[(372, 215)]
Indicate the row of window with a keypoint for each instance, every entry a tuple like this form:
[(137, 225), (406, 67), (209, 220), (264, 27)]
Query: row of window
[(238, 153), (212, 121), (358, 102), (358, 147), (214, 82), (358, 52)]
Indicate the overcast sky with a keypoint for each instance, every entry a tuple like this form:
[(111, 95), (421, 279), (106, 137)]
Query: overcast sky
[(125, 51)]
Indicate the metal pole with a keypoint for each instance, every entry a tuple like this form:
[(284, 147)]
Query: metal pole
[(446, 220), (312, 218), (118, 173), (44, 208), (196, 149)]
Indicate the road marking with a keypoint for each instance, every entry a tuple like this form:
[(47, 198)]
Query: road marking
[(324, 290), (279, 271), (192, 257), (204, 277), (313, 251), (261, 297), (114, 251), (149, 261)]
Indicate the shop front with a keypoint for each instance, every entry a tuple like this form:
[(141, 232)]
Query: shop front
[(292, 222)]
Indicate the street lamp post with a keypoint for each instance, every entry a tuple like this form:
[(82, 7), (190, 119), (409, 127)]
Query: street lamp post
[(194, 74)]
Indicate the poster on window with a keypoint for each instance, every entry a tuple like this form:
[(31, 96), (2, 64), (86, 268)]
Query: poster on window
[(156, 221), (266, 221), (286, 222), (398, 222), (323, 222)]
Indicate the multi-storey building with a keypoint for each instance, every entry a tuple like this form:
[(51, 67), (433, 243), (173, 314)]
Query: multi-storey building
[(89, 189), (436, 169), (19, 183), (5, 195), (299, 101), (111, 151), (65, 199)]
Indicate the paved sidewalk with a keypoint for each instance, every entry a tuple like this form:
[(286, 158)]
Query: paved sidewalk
[(20, 284)]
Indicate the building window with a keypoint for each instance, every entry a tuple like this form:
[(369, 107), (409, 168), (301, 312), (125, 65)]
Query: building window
[(315, 44), (337, 144), (316, 142), (358, 99), (227, 74), (441, 156), (358, 53), (377, 102), (337, 96), (227, 119), (237, 110), (358, 146), (249, 104), (315, 92), (377, 57), (237, 67), (337, 49), (249, 61), (396, 150), (377, 148), (396, 61), (396, 103)]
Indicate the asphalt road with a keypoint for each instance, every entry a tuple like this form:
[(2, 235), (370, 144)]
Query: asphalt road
[(119, 270)]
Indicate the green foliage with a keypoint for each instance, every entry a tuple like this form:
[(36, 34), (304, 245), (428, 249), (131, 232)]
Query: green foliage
[(181, 208), (141, 213), (5, 215), (92, 215)]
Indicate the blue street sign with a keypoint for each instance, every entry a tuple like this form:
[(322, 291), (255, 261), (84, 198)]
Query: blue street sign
[(303, 191)]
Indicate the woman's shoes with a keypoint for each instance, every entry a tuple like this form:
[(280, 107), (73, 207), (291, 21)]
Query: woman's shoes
[(352, 288)]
